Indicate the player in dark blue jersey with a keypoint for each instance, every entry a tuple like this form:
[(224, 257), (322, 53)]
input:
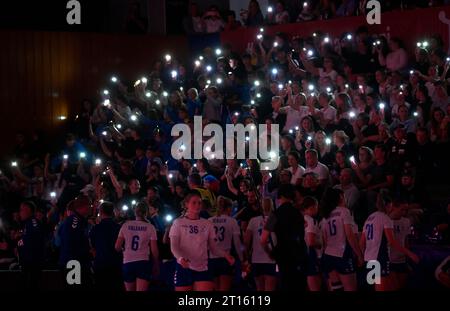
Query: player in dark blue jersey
[(107, 262), (75, 241), (31, 246)]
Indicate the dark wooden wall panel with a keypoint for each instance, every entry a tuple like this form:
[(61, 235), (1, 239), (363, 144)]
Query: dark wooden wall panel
[(47, 74)]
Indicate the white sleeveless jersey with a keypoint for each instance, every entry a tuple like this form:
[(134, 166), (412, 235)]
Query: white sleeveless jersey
[(373, 230), (256, 226), (194, 236), (312, 226), (402, 228), (334, 232), (137, 235), (225, 227)]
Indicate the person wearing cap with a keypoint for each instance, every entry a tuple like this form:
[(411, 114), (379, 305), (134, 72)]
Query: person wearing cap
[(75, 241), (31, 246)]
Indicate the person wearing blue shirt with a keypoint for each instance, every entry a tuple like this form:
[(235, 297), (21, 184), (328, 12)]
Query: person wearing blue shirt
[(107, 262), (75, 242), (31, 246)]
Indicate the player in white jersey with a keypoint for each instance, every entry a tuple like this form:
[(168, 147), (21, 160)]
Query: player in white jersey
[(263, 267), (378, 237), (191, 237), (228, 234), (402, 228), (340, 244), (313, 239), (138, 241)]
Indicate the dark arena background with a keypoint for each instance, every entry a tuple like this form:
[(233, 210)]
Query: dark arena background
[(107, 184)]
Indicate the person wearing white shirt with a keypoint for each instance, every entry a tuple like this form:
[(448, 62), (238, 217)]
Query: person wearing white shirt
[(314, 166)]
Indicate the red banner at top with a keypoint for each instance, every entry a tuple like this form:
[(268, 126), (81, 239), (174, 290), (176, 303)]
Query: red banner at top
[(409, 26)]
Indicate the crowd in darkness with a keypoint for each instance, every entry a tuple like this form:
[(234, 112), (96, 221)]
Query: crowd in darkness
[(212, 20), (364, 136)]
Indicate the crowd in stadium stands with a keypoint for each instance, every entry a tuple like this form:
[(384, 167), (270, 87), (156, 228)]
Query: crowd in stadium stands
[(364, 139), (284, 12)]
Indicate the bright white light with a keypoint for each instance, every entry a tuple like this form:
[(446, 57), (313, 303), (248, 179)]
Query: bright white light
[(291, 131), (252, 127), (114, 79), (119, 126), (349, 37), (165, 94), (310, 53), (274, 71), (297, 128), (65, 157), (305, 4), (346, 86), (252, 102), (352, 159), (425, 44), (280, 86), (329, 89), (105, 92), (218, 52), (133, 118), (82, 155), (197, 63), (247, 138), (208, 81), (275, 44), (14, 164), (326, 39), (53, 194), (448, 59), (270, 9), (258, 95), (181, 88), (144, 80), (259, 36), (328, 141), (168, 57), (107, 103), (381, 105), (236, 114), (208, 68), (98, 162), (352, 114), (182, 147), (411, 72), (148, 94), (261, 29), (416, 114), (314, 34), (219, 81), (311, 87), (174, 74), (104, 133), (200, 57), (257, 83), (208, 149), (133, 202), (62, 118), (419, 44), (125, 208), (157, 102), (309, 138), (169, 218), (360, 87), (272, 154)]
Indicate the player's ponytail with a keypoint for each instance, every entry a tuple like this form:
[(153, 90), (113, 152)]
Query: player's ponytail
[(141, 210)]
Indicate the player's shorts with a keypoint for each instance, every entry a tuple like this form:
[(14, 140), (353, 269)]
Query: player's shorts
[(312, 265), (260, 269), (399, 267), (343, 265), (187, 277), (220, 266), (137, 270)]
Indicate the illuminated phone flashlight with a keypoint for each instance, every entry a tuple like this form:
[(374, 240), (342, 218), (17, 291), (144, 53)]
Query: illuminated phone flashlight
[(168, 57), (200, 57), (360, 87), (349, 37), (174, 74), (119, 126), (107, 103), (124, 208), (98, 162), (290, 82), (241, 165), (419, 44), (275, 44), (105, 92), (101, 201), (195, 164), (425, 44), (309, 138), (381, 105), (66, 156), (378, 42), (133, 118), (133, 202), (258, 95), (257, 83), (328, 89), (411, 72), (148, 94), (157, 102), (197, 63), (182, 147), (208, 68), (169, 218), (218, 52), (346, 86), (53, 194), (252, 102), (326, 39), (208, 82), (311, 87), (274, 71), (314, 34), (328, 141), (181, 88), (415, 113), (305, 4), (252, 127), (236, 114), (104, 133), (272, 154), (208, 149), (259, 36), (261, 29), (297, 128), (352, 159), (310, 53), (62, 118), (291, 131), (165, 94), (114, 79), (280, 86), (352, 114), (219, 81), (137, 83), (247, 138), (269, 9), (448, 59), (144, 80), (82, 155)]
